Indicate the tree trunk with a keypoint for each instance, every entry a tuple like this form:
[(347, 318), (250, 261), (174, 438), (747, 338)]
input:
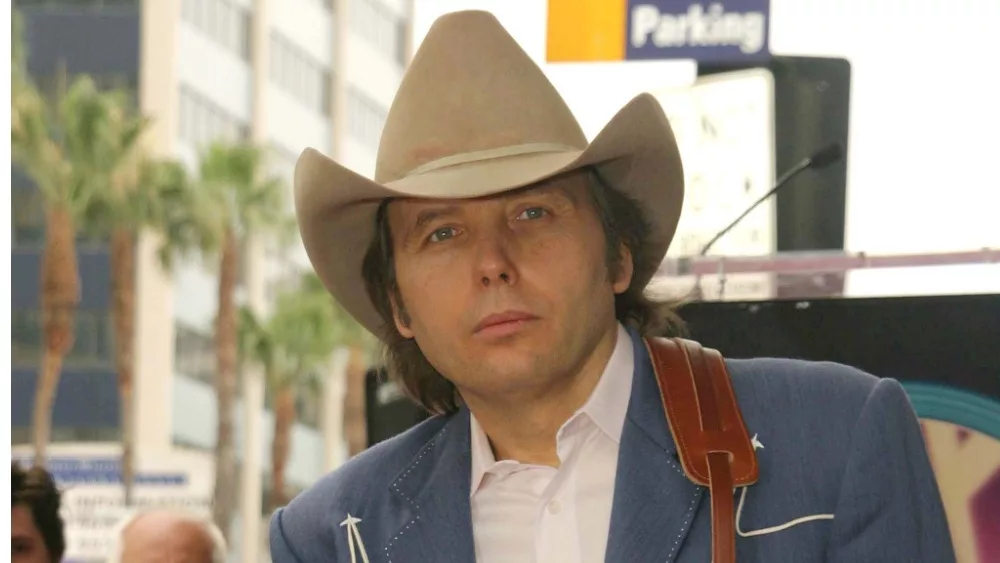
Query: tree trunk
[(60, 297), (284, 420), (355, 423), (225, 384), (123, 313)]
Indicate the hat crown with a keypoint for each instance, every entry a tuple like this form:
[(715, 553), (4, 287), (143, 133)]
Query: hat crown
[(470, 87)]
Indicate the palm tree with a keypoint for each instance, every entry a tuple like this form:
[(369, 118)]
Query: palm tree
[(114, 211), (360, 345), (139, 193), (243, 203), (56, 143), (293, 347)]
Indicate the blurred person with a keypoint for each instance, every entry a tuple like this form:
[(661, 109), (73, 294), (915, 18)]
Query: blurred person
[(167, 536), (501, 259), (36, 528)]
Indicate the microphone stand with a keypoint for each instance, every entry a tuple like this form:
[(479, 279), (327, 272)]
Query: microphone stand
[(819, 159)]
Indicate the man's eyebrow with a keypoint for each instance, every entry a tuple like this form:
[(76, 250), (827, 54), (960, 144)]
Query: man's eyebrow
[(548, 187), (430, 215)]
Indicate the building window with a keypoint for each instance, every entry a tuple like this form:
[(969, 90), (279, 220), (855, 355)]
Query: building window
[(381, 27), (92, 345), (28, 211), (194, 354), (93, 338), (25, 338), (78, 3), (365, 117), (295, 72), (28, 224), (202, 121), (222, 20), (22, 435)]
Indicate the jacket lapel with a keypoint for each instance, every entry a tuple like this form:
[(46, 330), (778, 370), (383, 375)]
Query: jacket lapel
[(654, 502), (433, 495)]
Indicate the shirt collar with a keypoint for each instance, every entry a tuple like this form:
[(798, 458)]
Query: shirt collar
[(606, 408)]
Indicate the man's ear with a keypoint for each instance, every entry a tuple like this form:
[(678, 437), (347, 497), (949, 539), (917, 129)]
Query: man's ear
[(401, 318), (622, 276)]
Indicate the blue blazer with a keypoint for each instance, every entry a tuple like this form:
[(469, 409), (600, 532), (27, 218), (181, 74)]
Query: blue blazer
[(834, 443)]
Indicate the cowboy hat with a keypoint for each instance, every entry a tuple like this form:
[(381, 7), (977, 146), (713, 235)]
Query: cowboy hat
[(475, 116)]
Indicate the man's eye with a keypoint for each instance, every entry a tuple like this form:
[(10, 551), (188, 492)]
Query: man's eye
[(441, 234), (532, 213)]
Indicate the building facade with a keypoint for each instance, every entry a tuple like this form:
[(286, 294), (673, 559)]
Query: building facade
[(285, 74)]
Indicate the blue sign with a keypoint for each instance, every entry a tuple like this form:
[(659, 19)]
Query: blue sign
[(729, 31), (101, 471)]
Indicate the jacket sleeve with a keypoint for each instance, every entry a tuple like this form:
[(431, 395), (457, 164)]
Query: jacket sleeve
[(889, 506), (281, 552)]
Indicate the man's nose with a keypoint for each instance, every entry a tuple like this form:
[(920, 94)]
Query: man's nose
[(494, 259)]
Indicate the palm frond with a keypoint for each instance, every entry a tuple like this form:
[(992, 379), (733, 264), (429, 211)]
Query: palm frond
[(185, 215)]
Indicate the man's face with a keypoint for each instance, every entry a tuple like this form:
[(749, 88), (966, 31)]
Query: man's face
[(26, 543), (506, 294)]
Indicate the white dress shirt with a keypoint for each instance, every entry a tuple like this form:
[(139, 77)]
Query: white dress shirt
[(523, 513)]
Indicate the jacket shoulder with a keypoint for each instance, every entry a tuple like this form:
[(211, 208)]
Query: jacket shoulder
[(829, 380), (811, 410)]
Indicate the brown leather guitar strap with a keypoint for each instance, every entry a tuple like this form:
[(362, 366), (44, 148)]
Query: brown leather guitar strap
[(705, 420)]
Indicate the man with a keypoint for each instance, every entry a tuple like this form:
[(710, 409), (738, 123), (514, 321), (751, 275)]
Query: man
[(36, 529), (167, 536), (502, 260)]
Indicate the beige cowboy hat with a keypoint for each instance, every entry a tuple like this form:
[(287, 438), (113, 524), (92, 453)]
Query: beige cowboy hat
[(475, 116)]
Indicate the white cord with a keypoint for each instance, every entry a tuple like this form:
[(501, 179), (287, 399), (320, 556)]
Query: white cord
[(353, 534), (764, 531), (773, 529)]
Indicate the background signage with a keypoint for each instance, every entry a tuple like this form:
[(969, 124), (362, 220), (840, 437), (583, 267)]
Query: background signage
[(720, 31), (724, 125), (728, 31), (93, 500)]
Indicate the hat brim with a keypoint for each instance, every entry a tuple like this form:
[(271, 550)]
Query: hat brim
[(635, 153)]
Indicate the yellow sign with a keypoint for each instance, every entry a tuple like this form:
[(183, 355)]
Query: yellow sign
[(586, 30)]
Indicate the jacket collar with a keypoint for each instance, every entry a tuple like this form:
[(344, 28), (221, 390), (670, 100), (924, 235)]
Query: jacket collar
[(654, 502), (434, 494)]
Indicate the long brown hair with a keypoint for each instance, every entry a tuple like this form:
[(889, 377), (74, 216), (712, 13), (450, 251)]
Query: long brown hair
[(623, 223), (36, 489)]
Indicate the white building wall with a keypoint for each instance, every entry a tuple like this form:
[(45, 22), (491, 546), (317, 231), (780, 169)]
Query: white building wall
[(308, 23), (371, 71), (154, 342), (195, 295), (214, 72), (398, 7), (358, 156), (293, 126)]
